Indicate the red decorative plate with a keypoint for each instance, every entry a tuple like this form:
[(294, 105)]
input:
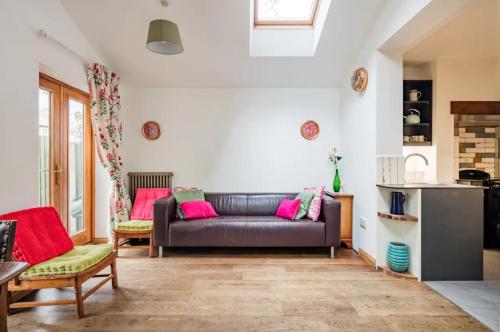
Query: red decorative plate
[(151, 130), (309, 130)]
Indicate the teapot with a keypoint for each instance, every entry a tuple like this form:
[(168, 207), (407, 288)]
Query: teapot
[(412, 118)]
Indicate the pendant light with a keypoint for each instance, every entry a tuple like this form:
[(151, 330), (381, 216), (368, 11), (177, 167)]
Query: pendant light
[(164, 38)]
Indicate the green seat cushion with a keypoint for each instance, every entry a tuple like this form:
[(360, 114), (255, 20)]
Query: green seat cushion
[(305, 202), (135, 225), (78, 259), (186, 196)]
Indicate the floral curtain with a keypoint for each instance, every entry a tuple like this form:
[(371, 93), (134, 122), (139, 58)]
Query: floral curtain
[(107, 127)]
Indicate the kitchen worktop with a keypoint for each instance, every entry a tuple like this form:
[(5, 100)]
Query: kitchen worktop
[(427, 186), (442, 228)]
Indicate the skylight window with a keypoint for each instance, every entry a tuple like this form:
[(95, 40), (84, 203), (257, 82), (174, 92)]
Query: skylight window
[(285, 12)]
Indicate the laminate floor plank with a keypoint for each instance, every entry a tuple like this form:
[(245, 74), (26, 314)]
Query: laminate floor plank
[(198, 291)]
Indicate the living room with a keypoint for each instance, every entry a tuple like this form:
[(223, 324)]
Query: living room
[(252, 111)]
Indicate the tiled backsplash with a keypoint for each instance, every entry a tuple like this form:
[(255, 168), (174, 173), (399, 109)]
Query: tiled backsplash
[(477, 148)]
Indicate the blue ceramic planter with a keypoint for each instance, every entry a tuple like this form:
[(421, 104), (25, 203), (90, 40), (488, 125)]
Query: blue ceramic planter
[(398, 256)]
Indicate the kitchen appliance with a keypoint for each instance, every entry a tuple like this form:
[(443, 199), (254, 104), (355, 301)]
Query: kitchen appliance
[(397, 203), (491, 203), (413, 117)]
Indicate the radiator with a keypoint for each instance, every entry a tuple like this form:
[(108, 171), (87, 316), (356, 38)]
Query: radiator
[(148, 180)]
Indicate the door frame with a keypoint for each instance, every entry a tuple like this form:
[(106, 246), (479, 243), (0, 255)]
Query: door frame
[(63, 92)]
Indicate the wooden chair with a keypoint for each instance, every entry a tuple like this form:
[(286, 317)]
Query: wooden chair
[(39, 275), (141, 180), (74, 280), (125, 235)]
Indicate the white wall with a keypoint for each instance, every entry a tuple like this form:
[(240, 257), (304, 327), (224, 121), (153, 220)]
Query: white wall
[(372, 123), (233, 139), (364, 134), (459, 79), (23, 55)]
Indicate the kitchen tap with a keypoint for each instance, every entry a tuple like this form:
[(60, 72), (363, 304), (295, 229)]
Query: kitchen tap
[(417, 155)]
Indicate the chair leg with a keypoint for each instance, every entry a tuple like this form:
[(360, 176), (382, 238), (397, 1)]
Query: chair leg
[(80, 310), (332, 252), (114, 280), (151, 247), (116, 239)]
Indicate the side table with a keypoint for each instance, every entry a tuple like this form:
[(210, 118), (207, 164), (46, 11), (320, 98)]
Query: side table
[(345, 216)]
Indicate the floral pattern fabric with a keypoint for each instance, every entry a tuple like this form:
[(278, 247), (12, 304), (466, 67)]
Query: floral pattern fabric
[(105, 107)]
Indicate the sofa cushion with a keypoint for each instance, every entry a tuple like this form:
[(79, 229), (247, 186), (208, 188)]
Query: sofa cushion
[(315, 207), (135, 225), (266, 204), (197, 210), (214, 219), (305, 202), (40, 235), (182, 194), (288, 209), (246, 231), (228, 204), (283, 233), (144, 199), (79, 259)]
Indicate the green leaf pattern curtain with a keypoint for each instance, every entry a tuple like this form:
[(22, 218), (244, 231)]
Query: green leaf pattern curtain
[(107, 127)]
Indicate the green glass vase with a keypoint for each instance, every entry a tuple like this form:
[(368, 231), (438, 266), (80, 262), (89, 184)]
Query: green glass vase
[(336, 181)]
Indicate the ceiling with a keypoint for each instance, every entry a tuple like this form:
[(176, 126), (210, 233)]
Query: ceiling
[(474, 32), (215, 35)]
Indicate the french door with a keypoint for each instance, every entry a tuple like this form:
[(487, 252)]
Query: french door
[(66, 156)]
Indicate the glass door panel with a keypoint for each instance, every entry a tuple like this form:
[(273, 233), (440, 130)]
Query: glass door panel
[(75, 166), (44, 104)]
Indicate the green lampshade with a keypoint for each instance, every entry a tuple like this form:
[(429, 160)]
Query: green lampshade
[(164, 38)]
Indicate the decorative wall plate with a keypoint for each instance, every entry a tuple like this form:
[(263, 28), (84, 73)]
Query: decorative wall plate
[(309, 130), (151, 130), (359, 79)]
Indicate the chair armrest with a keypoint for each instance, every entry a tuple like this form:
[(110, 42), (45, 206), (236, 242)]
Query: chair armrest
[(163, 214), (330, 214)]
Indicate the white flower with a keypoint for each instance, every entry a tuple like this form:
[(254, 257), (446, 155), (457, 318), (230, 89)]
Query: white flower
[(334, 157)]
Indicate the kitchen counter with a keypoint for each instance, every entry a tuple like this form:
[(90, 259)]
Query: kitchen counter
[(428, 186), (442, 225)]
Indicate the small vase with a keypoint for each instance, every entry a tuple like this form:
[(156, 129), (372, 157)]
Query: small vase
[(398, 257), (336, 181)]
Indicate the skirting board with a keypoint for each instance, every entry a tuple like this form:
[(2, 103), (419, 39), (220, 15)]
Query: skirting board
[(101, 240), (367, 258)]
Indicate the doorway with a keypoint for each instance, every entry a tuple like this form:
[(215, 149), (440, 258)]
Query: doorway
[(66, 156)]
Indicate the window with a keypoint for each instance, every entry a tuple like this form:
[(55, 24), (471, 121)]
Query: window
[(285, 12)]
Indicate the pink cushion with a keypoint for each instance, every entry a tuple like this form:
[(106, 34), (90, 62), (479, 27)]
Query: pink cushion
[(288, 209), (315, 207), (144, 199), (40, 235), (197, 210)]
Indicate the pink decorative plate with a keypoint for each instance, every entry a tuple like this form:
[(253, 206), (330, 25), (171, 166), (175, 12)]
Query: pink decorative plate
[(151, 130), (309, 130)]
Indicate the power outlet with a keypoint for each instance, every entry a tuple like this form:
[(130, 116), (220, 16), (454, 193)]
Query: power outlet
[(362, 222)]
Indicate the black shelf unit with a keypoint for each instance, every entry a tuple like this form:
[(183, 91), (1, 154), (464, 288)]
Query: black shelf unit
[(423, 105)]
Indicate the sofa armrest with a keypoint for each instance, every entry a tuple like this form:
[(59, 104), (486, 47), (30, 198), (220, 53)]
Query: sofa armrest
[(330, 214), (163, 214)]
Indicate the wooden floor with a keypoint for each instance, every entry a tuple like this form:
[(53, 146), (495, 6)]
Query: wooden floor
[(192, 291), (492, 264)]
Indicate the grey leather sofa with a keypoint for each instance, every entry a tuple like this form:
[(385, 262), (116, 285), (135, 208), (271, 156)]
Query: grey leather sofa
[(246, 220)]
